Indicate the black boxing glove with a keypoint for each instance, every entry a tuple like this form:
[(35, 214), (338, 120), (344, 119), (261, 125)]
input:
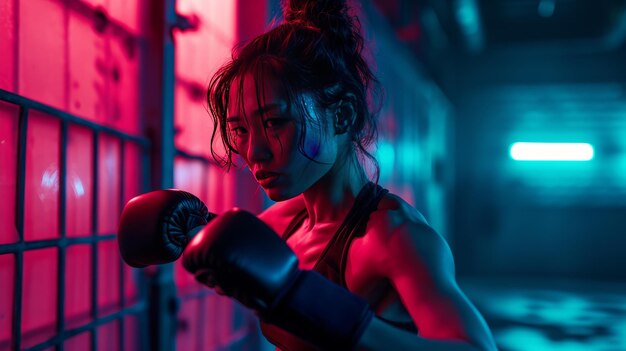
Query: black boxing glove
[(244, 258), (155, 227)]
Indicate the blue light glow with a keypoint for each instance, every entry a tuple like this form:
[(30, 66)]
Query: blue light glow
[(527, 151), (385, 155), (546, 8)]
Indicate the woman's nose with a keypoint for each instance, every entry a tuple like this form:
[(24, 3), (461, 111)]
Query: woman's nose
[(258, 148)]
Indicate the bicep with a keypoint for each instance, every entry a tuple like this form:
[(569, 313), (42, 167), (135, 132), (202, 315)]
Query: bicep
[(421, 269)]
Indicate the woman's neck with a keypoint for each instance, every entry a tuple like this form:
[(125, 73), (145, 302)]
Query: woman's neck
[(329, 200)]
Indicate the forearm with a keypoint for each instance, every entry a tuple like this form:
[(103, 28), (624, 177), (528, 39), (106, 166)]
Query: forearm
[(382, 336)]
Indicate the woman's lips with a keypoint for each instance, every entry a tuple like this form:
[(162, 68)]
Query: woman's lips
[(269, 181), (266, 178)]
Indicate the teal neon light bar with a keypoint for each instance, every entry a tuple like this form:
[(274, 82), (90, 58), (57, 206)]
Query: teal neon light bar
[(530, 151)]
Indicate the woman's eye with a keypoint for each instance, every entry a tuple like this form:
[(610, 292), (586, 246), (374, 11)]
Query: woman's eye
[(275, 122), (238, 131)]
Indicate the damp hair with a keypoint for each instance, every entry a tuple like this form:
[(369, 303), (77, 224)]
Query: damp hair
[(317, 48)]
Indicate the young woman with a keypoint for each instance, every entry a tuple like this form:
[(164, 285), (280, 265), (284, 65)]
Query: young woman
[(294, 105)]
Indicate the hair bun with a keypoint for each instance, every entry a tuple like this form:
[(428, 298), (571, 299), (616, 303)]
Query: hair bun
[(330, 16)]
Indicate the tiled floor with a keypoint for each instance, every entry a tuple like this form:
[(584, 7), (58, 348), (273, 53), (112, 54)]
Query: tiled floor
[(552, 315)]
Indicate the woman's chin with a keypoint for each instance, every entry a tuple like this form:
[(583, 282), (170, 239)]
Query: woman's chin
[(279, 194)]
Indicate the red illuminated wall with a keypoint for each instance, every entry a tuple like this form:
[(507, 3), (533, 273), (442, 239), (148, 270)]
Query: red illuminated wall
[(75, 145), (72, 151), (80, 57)]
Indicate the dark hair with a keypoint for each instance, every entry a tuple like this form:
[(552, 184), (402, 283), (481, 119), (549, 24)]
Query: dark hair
[(318, 49)]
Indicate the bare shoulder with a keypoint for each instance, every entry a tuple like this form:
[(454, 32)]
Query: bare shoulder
[(279, 215), (394, 212), (401, 230), (419, 264)]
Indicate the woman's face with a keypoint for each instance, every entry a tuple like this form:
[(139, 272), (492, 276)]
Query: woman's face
[(266, 131)]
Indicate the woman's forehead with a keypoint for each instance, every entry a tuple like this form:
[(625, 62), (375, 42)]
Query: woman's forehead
[(250, 92)]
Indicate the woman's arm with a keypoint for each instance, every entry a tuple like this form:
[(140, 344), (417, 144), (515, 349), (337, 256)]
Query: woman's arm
[(382, 336), (419, 264)]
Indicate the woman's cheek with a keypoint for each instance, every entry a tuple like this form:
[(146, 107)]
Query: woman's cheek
[(313, 142), (312, 147), (242, 149)]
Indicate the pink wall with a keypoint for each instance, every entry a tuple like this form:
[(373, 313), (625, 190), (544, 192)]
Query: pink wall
[(85, 58)]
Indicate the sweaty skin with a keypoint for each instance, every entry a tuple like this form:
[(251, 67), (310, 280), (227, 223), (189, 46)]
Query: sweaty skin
[(400, 266)]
